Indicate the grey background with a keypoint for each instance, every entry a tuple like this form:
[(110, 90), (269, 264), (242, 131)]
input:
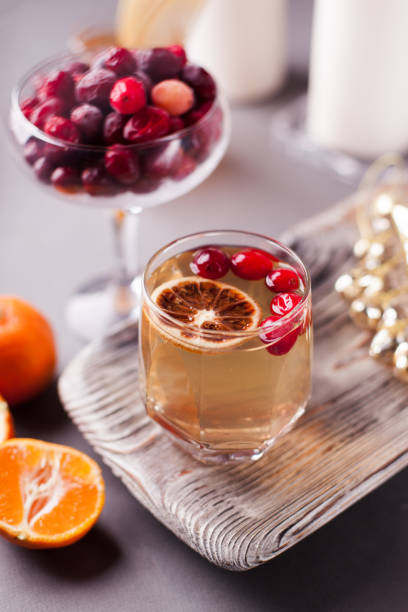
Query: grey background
[(129, 561)]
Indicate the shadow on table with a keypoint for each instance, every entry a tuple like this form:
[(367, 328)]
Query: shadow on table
[(92, 556), (42, 415), (359, 559)]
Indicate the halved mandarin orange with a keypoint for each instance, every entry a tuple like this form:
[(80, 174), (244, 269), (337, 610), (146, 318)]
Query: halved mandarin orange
[(50, 495), (207, 313), (6, 421)]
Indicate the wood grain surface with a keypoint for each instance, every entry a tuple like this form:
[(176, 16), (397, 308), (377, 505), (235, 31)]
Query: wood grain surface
[(353, 437)]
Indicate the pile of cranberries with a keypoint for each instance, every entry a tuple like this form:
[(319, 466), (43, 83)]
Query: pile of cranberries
[(255, 264), (122, 98)]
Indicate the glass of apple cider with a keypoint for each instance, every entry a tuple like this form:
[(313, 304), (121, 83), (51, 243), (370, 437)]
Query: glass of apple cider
[(226, 343)]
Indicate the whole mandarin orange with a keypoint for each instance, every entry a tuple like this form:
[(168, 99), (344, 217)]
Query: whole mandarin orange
[(27, 350)]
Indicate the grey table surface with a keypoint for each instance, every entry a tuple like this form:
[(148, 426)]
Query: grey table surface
[(129, 561)]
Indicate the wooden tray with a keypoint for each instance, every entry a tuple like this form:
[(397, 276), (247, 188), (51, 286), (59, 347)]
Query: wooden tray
[(353, 437)]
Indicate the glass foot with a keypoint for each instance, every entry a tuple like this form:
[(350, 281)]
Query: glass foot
[(101, 304)]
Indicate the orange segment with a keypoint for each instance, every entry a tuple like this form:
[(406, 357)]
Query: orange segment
[(205, 307), (6, 421), (50, 495)]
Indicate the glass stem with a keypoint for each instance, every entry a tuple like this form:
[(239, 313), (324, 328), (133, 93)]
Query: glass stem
[(125, 243)]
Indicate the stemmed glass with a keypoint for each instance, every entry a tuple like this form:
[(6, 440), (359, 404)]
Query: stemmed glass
[(170, 166)]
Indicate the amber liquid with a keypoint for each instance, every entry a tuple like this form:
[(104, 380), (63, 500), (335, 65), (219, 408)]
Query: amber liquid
[(232, 400)]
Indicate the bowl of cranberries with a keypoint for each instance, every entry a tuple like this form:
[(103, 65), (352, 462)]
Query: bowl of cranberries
[(143, 125)]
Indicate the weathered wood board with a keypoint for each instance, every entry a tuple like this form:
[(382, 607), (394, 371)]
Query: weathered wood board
[(353, 437)]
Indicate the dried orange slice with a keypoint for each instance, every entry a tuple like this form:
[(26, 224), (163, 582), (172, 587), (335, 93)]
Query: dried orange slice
[(205, 307), (6, 421), (50, 495)]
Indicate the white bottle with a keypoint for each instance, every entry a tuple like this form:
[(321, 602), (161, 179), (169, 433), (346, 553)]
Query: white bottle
[(358, 92), (243, 43)]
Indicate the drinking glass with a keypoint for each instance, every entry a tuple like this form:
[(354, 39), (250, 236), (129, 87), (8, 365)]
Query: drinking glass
[(171, 166), (223, 394)]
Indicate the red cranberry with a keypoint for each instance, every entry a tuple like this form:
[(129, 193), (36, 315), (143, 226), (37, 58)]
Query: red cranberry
[(145, 79), (52, 106), (58, 155), (251, 264), (160, 64), (128, 96), (163, 161), (147, 124), (77, 69), (210, 262), (284, 345), (282, 279), (59, 84), (122, 164), (180, 52), (113, 128), (117, 59), (200, 80), (28, 105), (272, 331), (284, 303), (88, 119), (43, 169), (97, 182), (186, 166), (64, 129), (33, 149), (95, 86), (65, 176), (197, 113), (145, 184), (176, 124)]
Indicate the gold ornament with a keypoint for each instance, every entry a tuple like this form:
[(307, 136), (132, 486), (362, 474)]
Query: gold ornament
[(377, 288)]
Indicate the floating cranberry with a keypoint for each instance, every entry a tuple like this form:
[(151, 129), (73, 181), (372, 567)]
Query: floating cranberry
[(52, 106), (282, 279), (200, 80), (283, 346), (186, 166), (176, 124), (113, 128), (122, 164), (95, 86), (128, 96), (210, 262), (33, 149), (65, 176), (147, 124), (119, 60), (28, 105), (251, 264), (197, 113), (161, 63), (284, 303), (59, 84), (97, 182), (173, 96), (271, 331), (180, 52), (88, 119), (64, 129), (43, 169)]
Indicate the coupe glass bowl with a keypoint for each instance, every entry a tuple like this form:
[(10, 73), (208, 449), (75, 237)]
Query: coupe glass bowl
[(169, 167)]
